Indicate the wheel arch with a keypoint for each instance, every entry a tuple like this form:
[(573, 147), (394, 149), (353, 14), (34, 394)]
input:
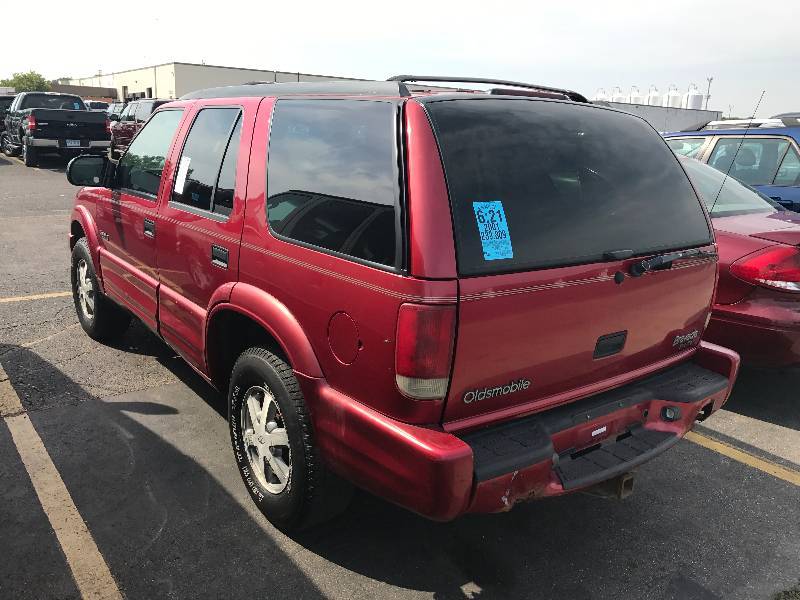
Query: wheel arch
[(252, 317), (82, 225)]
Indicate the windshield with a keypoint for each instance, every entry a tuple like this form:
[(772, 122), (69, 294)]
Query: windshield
[(56, 101), (537, 184), (735, 197)]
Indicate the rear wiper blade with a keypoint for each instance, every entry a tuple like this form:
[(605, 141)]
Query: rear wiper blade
[(641, 267)]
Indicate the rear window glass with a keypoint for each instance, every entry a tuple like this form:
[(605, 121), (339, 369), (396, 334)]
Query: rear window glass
[(52, 101), (724, 196), (538, 184)]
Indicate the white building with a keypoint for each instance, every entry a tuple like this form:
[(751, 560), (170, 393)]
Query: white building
[(173, 80)]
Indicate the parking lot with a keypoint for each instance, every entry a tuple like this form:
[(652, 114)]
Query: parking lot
[(142, 447)]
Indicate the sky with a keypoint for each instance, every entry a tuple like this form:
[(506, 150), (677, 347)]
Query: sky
[(746, 47)]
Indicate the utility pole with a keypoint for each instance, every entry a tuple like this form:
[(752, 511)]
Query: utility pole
[(708, 90)]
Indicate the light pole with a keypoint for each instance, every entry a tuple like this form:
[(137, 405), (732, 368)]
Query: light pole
[(708, 90)]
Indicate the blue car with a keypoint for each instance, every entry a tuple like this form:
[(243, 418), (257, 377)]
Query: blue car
[(767, 158)]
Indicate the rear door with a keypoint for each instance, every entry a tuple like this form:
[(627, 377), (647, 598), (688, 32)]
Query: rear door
[(552, 202), (127, 219), (201, 224)]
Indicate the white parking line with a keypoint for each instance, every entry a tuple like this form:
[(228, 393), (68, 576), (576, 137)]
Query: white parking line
[(89, 569), (35, 297)]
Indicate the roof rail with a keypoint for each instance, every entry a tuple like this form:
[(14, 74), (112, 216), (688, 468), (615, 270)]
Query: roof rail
[(744, 124), (302, 88), (574, 96)]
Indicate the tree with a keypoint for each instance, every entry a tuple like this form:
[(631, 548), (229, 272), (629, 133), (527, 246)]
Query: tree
[(26, 82)]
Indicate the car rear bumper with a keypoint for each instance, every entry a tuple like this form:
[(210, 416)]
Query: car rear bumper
[(764, 329), (61, 144), (443, 475)]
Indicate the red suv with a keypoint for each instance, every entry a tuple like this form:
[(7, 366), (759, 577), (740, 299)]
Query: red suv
[(124, 125), (453, 300)]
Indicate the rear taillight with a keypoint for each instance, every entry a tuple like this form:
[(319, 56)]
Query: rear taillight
[(424, 351), (31, 123), (777, 267)]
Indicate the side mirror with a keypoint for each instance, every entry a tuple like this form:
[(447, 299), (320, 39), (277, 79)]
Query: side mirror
[(113, 117), (88, 170)]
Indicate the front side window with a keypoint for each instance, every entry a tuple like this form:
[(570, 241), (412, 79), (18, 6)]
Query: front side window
[(537, 184), (139, 169), (202, 180), (689, 147), (127, 114), (753, 161), (789, 171), (333, 178)]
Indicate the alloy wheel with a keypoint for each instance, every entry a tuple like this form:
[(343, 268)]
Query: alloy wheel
[(266, 440), (85, 289)]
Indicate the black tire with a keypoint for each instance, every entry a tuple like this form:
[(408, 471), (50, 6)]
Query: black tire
[(107, 320), (312, 493), (29, 156)]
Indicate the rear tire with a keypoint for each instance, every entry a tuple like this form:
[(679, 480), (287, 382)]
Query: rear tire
[(274, 447), (100, 317), (29, 156)]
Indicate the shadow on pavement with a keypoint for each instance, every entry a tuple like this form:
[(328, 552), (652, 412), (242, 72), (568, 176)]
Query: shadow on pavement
[(166, 528), (771, 395)]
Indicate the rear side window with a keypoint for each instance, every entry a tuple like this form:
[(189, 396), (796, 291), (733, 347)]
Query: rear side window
[(333, 178), (537, 184), (139, 169), (206, 172), (753, 161)]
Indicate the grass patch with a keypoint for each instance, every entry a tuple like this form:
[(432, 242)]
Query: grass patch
[(790, 594)]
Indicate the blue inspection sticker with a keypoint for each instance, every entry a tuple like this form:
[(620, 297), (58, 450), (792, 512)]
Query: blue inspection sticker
[(493, 229)]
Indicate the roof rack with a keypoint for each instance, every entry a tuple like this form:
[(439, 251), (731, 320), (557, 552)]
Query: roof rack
[(574, 96), (744, 124), (302, 88)]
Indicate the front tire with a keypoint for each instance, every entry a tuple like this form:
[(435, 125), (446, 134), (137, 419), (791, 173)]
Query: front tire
[(273, 444), (99, 316), (8, 147)]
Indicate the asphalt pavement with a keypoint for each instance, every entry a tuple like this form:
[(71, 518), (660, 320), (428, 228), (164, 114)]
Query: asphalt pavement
[(141, 445)]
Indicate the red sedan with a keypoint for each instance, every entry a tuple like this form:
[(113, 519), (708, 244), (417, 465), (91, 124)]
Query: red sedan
[(757, 307)]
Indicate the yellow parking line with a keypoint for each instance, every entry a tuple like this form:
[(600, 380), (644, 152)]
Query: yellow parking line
[(89, 569), (35, 297), (766, 466)]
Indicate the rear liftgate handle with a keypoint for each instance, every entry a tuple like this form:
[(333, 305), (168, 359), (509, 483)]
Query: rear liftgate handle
[(150, 228), (219, 256)]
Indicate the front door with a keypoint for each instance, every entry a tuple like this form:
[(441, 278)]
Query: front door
[(201, 225), (127, 219)]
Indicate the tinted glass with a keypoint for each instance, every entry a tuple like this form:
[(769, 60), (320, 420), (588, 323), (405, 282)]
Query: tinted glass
[(734, 197), (127, 114), (537, 184), (789, 171), (201, 158), (686, 147), (753, 161), (143, 111), (140, 167), (333, 177), (5, 103), (56, 101), (226, 183)]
